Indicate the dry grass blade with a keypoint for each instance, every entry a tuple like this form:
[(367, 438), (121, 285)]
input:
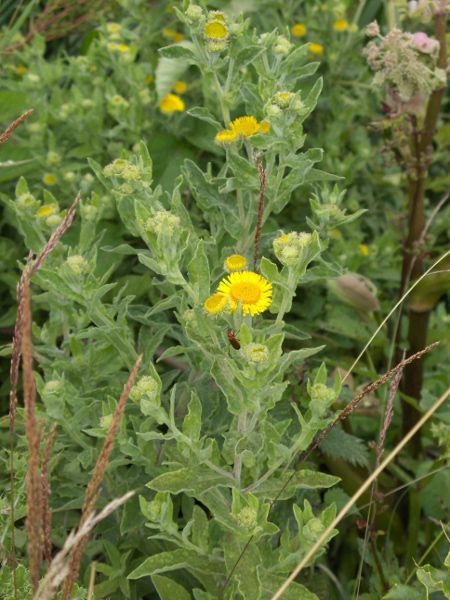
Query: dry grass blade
[(359, 493), (45, 499), (33, 478), (59, 569), (92, 489), (4, 137), (262, 191), (59, 232)]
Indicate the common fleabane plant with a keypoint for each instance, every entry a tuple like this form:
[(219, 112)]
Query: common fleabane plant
[(224, 442)]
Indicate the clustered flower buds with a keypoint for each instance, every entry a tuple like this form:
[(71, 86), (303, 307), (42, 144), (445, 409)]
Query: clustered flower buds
[(155, 224), (404, 62), (289, 248)]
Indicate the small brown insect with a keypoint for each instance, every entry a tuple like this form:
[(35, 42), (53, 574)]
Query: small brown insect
[(233, 341)]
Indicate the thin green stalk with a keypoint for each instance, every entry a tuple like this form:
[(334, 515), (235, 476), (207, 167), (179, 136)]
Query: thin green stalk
[(413, 526), (242, 423)]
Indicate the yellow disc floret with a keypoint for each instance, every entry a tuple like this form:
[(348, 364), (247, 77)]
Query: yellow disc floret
[(340, 25), (225, 138), (236, 262), (180, 87), (217, 304), (316, 49), (246, 125), (170, 104), (299, 30), (216, 30), (253, 291)]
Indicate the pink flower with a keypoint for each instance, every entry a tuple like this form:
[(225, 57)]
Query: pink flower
[(425, 44)]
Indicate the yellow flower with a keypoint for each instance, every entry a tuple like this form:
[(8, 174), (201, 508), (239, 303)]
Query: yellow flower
[(316, 49), (245, 125), (253, 291), (21, 70), (225, 137), (49, 179), (217, 304), (170, 104), (364, 250), (45, 211), (149, 79), (236, 262), (113, 27), (123, 48), (299, 30), (169, 33), (264, 127), (180, 87), (340, 25), (112, 46), (216, 30), (178, 37)]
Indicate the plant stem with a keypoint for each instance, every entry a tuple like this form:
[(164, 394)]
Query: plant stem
[(412, 267)]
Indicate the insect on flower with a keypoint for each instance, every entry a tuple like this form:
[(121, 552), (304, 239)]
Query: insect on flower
[(233, 341)]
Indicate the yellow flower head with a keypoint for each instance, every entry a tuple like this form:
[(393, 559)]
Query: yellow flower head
[(217, 304), (169, 33), (148, 80), (299, 30), (49, 179), (364, 250), (113, 27), (264, 127), (178, 37), (123, 48), (316, 49), (180, 87), (245, 125), (170, 104), (225, 138), (253, 291), (21, 70), (216, 30), (340, 25), (45, 211), (236, 262)]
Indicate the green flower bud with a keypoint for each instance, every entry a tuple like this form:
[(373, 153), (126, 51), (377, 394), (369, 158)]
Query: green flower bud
[(155, 223), (52, 387), (78, 264), (69, 176), (106, 421), (283, 99), (272, 110), (53, 157), (126, 189), (27, 201), (154, 509), (131, 173), (257, 354), (194, 12), (53, 220), (289, 248), (147, 386), (247, 518), (89, 212), (319, 392), (313, 530)]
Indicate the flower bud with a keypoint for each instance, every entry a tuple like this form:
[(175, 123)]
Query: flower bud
[(313, 530), (257, 354), (247, 518), (355, 290), (289, 248), (78, 264), (146, 386), (194, 12), (155, 224), (27, 201)]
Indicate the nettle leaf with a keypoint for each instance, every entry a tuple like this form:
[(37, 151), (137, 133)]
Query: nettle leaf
[(191, 481), (340, 444), (169, 589), (405, 592)]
